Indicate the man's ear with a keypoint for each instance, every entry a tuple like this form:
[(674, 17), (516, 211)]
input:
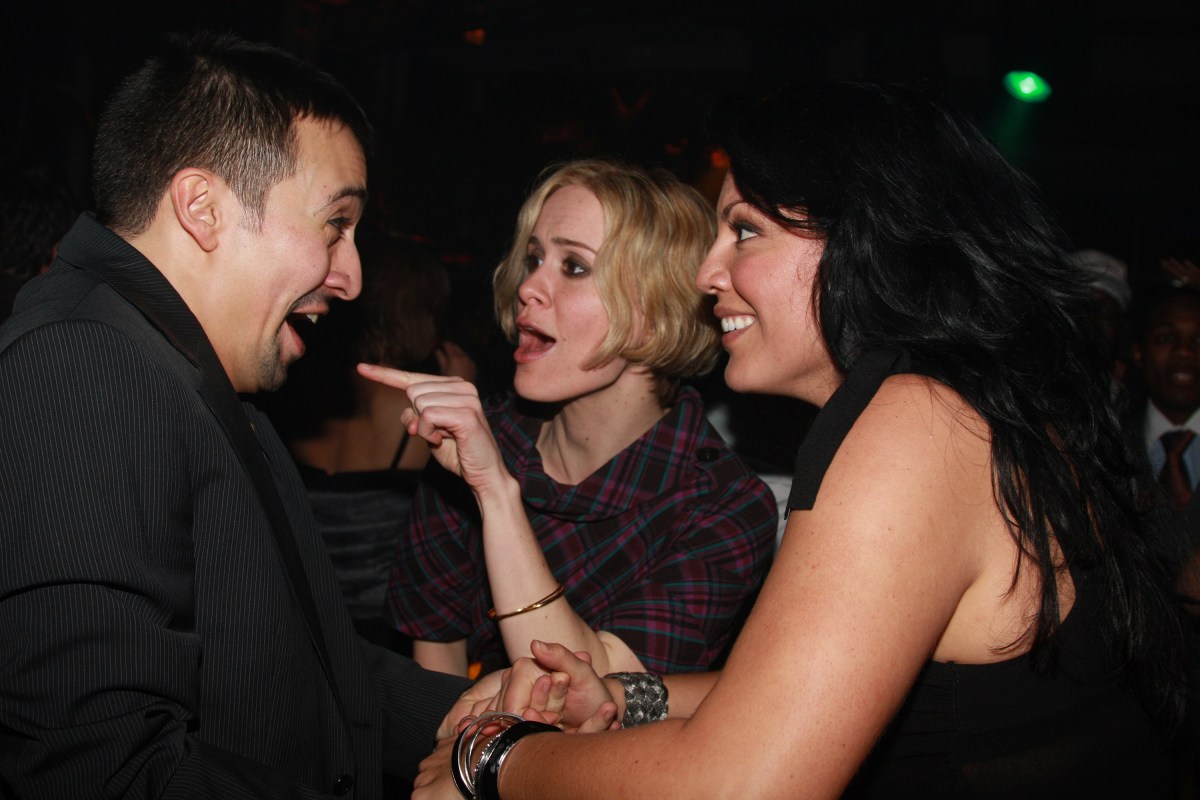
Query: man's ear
[(200, 202)]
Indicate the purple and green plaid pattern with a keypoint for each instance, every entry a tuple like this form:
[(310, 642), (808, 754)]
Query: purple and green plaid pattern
[(665, 546)]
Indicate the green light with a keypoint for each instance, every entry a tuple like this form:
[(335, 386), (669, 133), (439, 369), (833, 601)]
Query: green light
[(1027, 86)]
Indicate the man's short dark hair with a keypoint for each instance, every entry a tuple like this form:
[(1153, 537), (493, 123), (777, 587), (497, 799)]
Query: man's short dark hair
[(216, 102), (1151, 298)]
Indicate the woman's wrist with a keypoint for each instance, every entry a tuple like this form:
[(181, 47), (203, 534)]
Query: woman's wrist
[(644, 696), (478, 759), (499, 497), (616, 691), (534, 606)]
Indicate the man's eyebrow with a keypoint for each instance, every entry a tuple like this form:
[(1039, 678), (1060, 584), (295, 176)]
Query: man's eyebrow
[(359, 192)]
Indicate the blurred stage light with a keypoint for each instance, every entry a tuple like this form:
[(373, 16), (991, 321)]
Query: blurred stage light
[(1028, 87)]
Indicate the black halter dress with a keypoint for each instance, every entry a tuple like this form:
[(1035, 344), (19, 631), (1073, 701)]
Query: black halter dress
[(1000, 730)]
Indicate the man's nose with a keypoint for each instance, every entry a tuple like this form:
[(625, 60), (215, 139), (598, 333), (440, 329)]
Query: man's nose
[(345, 273)]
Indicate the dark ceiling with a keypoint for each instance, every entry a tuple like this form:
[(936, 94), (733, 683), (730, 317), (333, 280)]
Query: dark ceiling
[(471, 99)]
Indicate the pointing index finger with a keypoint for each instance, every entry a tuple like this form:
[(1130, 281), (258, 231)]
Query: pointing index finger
[(388, 376)]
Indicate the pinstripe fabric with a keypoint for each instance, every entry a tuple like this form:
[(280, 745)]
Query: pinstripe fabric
[(665, 546), (151, 642)]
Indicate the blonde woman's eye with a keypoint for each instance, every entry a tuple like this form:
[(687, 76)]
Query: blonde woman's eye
[(574, 269), (532, 262)]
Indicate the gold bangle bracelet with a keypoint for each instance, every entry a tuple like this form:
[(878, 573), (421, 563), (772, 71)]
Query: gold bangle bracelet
[(547, 600)]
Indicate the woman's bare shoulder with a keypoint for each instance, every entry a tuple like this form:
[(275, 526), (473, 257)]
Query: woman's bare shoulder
[(912, 406), (918, 449)]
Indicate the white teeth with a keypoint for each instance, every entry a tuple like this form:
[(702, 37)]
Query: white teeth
[(729, 324), (312, 318)]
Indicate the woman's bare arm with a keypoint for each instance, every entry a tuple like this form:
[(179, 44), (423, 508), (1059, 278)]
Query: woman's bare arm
[(447, 413), (862, 594)]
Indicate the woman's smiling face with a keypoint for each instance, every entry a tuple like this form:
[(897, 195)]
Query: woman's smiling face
[(763, 276)]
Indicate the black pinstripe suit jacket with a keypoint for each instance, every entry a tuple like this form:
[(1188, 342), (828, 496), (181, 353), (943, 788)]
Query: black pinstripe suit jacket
[(169, 622)]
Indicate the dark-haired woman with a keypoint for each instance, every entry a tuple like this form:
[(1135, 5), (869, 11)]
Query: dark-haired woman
[(966, 602)]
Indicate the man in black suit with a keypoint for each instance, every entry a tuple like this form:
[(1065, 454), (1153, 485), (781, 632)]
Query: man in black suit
[(1166, 354), (170, 625), (1166, 361)]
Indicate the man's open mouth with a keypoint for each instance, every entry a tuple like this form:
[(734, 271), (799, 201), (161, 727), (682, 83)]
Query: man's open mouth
[(303, 324)]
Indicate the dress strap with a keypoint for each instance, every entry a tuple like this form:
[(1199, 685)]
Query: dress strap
[(830, 427), (399, 450)]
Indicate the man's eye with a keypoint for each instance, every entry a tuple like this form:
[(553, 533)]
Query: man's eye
[(341, 225)]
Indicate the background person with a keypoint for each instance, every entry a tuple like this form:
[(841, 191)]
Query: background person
[(36, 210), (359, 465), (1163, 413), (967, 601), (1166, 354), (600, 477), (1108, 277)]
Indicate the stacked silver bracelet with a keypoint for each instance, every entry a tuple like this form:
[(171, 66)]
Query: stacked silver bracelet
[(481, 781), (645, 697)]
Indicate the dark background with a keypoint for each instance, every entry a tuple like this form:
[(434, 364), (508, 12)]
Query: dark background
[(466, 120), (472, 99)]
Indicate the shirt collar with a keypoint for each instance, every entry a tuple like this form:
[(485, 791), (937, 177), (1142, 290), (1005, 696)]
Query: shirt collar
[(96, 249), (649, 468), (1157, 424)]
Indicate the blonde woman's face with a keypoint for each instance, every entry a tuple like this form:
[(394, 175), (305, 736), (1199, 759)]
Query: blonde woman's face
[(561, 320)]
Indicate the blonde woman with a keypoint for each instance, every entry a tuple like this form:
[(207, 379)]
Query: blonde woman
[(595, 506)]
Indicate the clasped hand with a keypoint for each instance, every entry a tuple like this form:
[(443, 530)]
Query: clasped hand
[(555, 686)]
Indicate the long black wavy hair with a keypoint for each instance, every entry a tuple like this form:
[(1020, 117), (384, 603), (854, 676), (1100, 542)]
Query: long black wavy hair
[(934, 243)]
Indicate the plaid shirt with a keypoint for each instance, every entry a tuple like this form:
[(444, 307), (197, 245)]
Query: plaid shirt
[(665, 546)]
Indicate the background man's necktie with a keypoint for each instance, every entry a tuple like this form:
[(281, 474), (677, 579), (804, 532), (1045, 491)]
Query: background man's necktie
[(1174, 476)]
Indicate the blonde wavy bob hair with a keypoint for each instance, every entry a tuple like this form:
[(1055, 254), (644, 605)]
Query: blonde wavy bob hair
[(657, 230)]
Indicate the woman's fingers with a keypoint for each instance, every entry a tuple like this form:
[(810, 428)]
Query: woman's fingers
[(397, 378), (403, 379), (605, 719)]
